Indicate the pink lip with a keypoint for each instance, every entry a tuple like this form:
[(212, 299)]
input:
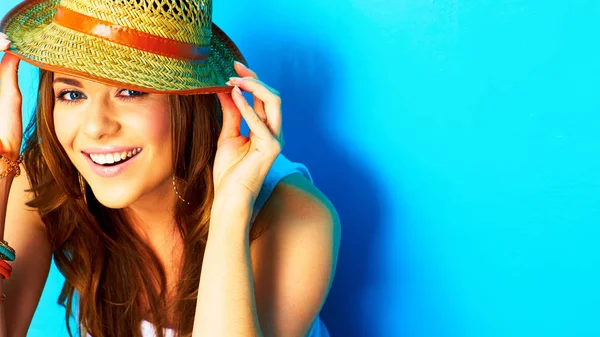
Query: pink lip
[(109, 149), (109, 171)]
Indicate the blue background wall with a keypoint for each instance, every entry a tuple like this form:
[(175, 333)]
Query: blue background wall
[(458, 140)]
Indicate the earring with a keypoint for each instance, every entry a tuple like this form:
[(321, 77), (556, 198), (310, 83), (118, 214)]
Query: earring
[(82, 187), (175, 188)]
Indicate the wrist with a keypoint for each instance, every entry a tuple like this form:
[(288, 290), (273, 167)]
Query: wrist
[(4, 166), (9, 167), (232, 198), (227, 211), (12, 156), (231, 207)]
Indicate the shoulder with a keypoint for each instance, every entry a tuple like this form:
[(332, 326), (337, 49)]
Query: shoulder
[(294, 258), (299, 200), (298, 207)]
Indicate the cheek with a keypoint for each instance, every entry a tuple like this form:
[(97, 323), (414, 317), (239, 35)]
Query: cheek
[(65, 129), (157, 129), (160, 127)]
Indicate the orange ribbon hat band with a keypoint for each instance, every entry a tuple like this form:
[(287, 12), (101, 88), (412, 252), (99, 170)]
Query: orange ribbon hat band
[(130, 37)]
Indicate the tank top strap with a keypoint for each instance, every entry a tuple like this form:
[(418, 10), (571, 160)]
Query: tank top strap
[(281, 168)]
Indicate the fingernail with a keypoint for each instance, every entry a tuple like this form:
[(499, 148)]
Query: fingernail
[(240, 63), (237, 90), (236, 79), (4, 44), (3, 35), (228, 83)]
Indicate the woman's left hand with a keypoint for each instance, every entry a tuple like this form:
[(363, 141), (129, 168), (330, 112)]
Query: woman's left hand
[(242, 163)]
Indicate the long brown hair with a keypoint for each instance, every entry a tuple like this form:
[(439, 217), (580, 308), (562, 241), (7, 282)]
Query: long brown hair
[(107, 265)]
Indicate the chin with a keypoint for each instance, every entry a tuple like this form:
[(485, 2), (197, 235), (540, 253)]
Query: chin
[(114, 198)]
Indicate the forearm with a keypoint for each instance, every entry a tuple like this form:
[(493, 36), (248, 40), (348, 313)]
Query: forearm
[(226, 303), (5, 184)]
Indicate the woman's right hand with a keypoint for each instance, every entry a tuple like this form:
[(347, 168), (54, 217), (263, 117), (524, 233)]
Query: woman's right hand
[(11, 124)]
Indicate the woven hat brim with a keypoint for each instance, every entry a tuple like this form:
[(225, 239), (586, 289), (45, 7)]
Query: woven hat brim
[(37, 40)]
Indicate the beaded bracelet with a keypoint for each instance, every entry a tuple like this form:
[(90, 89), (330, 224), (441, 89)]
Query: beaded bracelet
[(5, 269), (6, 252), (14, 166)]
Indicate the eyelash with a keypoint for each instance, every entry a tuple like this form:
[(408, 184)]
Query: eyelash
[(61, 95)]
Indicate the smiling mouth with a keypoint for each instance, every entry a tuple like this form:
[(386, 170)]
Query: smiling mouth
[(113, 159)]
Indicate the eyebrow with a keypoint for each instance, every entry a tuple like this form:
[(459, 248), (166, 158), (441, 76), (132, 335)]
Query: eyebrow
[(69, 81)]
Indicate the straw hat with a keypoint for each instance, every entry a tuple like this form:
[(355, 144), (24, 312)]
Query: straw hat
[(167, 46)]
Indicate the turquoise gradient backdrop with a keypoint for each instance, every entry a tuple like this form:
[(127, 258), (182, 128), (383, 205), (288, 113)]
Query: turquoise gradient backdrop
[(458, 140)]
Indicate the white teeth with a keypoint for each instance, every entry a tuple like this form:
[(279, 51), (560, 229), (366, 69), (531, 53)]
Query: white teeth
[(111, 158)]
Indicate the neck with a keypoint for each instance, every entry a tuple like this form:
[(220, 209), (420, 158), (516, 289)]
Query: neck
[(152, 215)]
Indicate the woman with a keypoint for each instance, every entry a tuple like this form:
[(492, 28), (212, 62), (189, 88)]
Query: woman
[(134, 153)]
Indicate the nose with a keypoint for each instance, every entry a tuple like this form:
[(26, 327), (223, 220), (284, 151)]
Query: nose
[(100, 120)]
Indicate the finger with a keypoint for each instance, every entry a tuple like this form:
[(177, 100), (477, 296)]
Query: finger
[(269, 97), (9, 84), (256, 125), (259, 106), (4, 43), (231, 117), (256, 85), (243, 71)]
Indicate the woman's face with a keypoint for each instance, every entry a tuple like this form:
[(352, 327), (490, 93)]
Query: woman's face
[(118, 139)]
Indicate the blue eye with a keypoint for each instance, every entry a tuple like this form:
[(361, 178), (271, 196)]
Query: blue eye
[(70, 95), (132, 93), (73, 95)]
